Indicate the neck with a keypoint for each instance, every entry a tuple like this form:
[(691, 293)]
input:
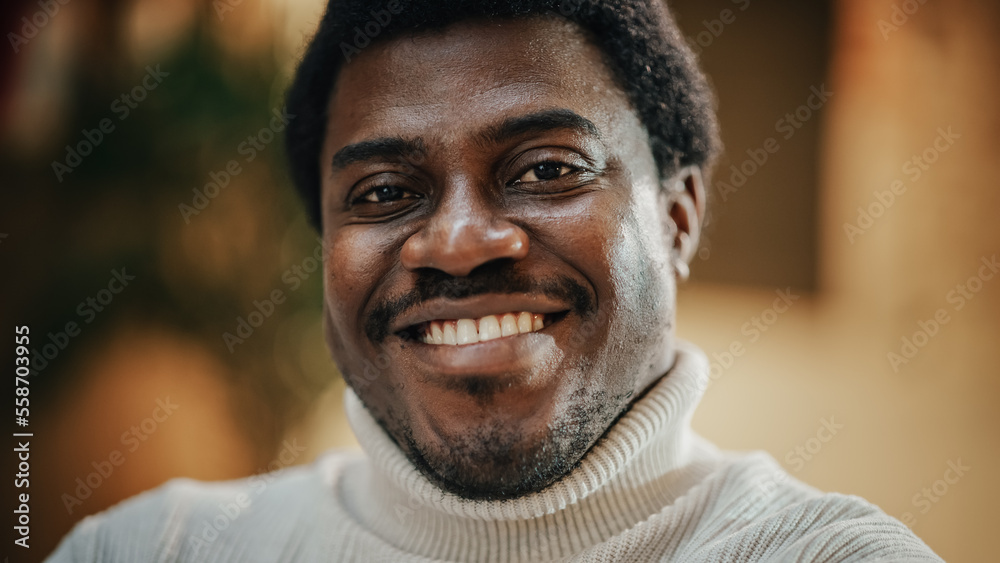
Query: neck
[(646, 459)]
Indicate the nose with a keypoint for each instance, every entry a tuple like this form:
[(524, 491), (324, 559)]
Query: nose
[(462, 235)]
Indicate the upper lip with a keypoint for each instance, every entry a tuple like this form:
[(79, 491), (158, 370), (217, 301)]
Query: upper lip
[(476, 307)]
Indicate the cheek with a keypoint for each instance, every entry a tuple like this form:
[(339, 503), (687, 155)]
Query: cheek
[(645, 252), (642, 281), (581, 233), (641, 271), (645, 241), (354, 263), (615, 239)]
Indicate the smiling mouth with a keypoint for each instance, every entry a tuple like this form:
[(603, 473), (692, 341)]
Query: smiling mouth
[(461, 332)]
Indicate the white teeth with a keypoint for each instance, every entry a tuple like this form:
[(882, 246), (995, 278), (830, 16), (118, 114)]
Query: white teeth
[(489, 328), (524, 322), (469, 331), (465, 331), (448, 333), (437, 335), (508, 326)]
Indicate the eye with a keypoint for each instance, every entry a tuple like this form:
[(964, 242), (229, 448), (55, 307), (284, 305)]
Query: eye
[(549, 170), (386, 194)]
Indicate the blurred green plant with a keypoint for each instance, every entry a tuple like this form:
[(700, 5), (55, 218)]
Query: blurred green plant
[(120, 208)]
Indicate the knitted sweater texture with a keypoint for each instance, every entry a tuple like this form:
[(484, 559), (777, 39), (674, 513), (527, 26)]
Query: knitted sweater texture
[(649, 490)]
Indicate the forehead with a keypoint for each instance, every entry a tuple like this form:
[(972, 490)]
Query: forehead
[(447, 83)]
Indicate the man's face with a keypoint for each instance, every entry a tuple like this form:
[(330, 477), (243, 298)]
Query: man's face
[(498, 271)]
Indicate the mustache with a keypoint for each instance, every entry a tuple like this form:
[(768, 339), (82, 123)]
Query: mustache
[(496, 278)]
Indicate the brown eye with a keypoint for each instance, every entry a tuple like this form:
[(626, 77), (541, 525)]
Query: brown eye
[(545, 171), (386, 194)]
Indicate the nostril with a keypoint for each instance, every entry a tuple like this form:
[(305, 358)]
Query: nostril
[(459, 246)]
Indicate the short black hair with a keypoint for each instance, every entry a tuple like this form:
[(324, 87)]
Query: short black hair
[(639, 39)]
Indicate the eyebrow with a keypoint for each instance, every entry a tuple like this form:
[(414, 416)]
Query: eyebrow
[(540, 122), (385, 148), (403, 150)]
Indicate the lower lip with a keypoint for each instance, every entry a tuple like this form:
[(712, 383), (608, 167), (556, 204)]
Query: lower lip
[(500, 356)]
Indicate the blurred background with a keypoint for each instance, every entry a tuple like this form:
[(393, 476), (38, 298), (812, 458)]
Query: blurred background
[(848, 278)]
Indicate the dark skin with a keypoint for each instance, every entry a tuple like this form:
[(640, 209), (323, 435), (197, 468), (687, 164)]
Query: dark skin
[(487, 168)]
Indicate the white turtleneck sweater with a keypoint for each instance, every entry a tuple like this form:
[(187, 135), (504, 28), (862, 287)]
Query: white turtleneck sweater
[(650, 490)]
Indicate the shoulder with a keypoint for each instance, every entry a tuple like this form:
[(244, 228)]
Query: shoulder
[(188, 520), (763, 513)]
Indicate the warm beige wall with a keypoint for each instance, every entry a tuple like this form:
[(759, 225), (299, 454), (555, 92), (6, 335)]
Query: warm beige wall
[(827, 356)]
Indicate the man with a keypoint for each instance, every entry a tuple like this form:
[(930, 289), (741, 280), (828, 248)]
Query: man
[(508, 193)]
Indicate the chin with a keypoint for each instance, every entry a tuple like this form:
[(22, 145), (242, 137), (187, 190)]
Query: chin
[(488, 452), (495, 461)]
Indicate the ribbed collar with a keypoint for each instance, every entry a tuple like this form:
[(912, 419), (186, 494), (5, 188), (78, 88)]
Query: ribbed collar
[(648, 458)]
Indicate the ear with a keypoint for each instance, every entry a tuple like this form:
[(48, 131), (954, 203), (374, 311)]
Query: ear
[(686, 209)]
